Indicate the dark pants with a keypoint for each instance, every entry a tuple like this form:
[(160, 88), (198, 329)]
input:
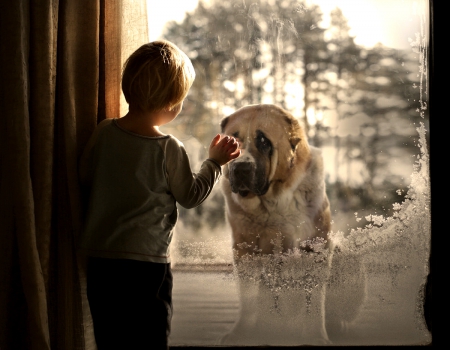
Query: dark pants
[(130, 302)]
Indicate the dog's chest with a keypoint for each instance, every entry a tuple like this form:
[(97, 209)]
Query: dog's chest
[(288, 214)]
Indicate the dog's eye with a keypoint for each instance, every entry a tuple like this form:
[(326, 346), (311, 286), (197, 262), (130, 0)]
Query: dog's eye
[(263, 143)]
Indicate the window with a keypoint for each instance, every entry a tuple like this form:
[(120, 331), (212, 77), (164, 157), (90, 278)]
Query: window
[(362, 97)]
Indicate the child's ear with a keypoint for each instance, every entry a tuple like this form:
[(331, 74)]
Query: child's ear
[(223, 123)]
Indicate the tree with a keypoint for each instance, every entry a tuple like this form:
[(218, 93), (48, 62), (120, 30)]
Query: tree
[(274, 52)]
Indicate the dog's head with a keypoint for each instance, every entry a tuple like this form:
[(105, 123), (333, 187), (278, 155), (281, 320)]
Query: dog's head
[(273, 147)]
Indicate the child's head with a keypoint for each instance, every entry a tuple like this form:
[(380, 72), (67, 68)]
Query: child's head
[(157, 76)]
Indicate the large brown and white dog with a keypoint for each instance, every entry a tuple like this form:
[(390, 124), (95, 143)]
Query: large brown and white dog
[(275, 187), (277, 184)]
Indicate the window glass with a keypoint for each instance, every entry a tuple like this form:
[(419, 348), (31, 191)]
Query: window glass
[(355, 75)]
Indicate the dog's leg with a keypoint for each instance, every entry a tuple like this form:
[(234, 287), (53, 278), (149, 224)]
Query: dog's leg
[(313, 326), (243, 330), (270, 314), (346, 292), (304, 306)]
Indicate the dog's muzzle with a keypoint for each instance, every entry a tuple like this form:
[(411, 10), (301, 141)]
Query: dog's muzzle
[(244, 178)]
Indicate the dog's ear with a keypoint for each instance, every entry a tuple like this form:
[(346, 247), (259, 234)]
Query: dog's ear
[(294, 127), (294, 141), (223, 123)]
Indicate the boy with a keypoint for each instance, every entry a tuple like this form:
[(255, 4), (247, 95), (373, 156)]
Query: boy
[(135, 175)]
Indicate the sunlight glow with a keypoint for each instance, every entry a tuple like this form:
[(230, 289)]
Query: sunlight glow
[(371, 21), (161, 12)]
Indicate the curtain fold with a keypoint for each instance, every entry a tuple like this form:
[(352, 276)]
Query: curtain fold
[(60, 65), (109, 69), (23, 270), (76, 96)]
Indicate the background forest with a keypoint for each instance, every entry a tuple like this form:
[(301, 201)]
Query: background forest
[(360, 105)]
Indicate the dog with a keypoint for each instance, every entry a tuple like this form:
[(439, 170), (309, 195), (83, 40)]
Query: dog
[(276, 204)]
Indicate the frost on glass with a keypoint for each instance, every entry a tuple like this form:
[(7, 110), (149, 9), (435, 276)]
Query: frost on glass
[(374, 279), (374, 291)]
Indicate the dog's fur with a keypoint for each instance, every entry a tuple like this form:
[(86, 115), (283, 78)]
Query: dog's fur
[(277, 184), (275, 187)]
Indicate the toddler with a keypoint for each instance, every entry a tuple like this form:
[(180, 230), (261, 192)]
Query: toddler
[(134, 175)]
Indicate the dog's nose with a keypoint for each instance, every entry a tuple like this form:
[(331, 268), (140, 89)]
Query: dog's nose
[(243, 170)]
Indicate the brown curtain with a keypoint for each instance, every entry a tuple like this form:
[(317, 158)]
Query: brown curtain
[(59, 73)]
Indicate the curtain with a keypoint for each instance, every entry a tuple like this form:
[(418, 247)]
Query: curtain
[(60, 65)]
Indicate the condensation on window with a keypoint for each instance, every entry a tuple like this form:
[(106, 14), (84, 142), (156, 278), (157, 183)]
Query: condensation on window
[(366, 108)]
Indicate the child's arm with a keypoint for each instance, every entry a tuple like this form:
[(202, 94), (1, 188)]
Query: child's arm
[(190, 189)]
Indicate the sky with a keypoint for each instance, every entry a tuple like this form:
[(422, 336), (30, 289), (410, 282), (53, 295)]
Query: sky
[(391, 22)]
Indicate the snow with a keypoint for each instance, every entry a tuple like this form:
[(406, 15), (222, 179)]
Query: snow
[(374, 290)]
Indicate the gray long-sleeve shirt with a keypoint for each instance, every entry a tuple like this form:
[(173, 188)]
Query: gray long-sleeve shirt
[(134, 183)]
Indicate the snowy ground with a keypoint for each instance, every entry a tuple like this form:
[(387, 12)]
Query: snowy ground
[(206, 305), (377, 283)]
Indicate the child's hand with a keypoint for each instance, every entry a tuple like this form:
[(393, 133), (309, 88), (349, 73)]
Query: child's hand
[(223, 149)]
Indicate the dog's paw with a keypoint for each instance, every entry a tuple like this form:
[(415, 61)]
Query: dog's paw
[(223, 340), (233, 338), (317, 341)]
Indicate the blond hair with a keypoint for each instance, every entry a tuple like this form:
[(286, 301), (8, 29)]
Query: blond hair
[(157, 76)]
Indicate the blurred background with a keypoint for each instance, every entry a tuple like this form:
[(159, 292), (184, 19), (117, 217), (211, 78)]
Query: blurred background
[(353, 72)]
